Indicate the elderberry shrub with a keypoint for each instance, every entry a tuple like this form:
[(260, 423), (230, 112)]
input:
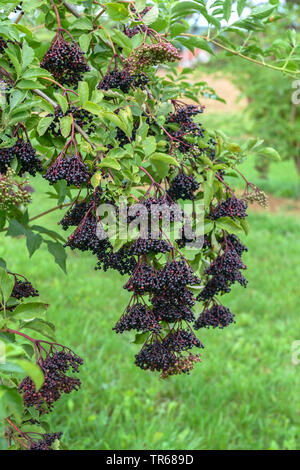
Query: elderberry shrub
[(54, 368), (46, 441), (137, 317), (6, 156), (27, 158), (183, 187), (23, 289), (71, 169), (82, 117), (216, 316), (231, 207), (65, 61)]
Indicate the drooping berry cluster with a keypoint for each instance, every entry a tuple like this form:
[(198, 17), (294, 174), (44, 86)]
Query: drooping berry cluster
[(65, 60), (83, 119), (23, 289), (27, 158), (54, 366), (183, 117), (225, 270), (137, 317), (121, 79), (13, 192), (71, 169), (3, 45), (216, 316), (183, 187), (6, 156), (45, 442), (231, 207), (132, 31), (151, 54)]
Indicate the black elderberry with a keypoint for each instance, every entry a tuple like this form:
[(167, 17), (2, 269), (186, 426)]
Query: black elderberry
[(143, 246), (65, 60), (6, 156), (216, 316), (56, 382), (137, 317), (27, 158), (71, 169), (3, 45), (183, 187), (171, 310), (176, 275), (74, 216), (121, 79), (23, 289), (181, 340), (155, 356), (143, 279), (231, 207), (46, 441)]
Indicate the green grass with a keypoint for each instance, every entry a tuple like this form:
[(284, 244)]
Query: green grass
[(245, 393)]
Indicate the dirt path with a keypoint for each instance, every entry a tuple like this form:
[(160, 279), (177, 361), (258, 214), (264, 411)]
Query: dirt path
[(226, 90), (278, 205)]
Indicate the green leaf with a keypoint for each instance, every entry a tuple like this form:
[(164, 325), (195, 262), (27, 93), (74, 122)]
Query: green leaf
[(82, 23), (161, 163), (270, 153), (240, 6), (41, 326), (33, 242), (65, 125), (33, 371), (151, 15), (93, 108), (29, 85), (226, 223), (7, 283), (149, 145), (227, 5), (62, 101), (140, 338), (83, 91), (84, 42), (59, 253), (50, 233), (13, 401), (200, 43), (110, 163), (43, 125), (27, 55), (29, 310), (117, 11)]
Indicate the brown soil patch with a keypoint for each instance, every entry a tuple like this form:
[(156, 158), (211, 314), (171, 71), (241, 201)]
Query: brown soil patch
[(224, 89)]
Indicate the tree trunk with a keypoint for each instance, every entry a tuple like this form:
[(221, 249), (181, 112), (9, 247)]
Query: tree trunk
[(297, 164)]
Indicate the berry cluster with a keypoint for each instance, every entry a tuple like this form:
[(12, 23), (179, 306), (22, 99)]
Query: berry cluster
[(23, 289), (137, 317), (65, 61), (231, 207), (143, 246), (74, 216), (13, 193), (3, 45), (27, 158), (151, 54), (183, 117), (71, 169), (82, 118), (216, 316), (132, 31), (183, 187), (225, 270), (46, 441), (121, 79), (54, 368), (6, 156)]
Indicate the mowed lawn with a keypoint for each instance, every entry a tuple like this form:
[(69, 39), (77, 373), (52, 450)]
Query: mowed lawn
[(244, 394)]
